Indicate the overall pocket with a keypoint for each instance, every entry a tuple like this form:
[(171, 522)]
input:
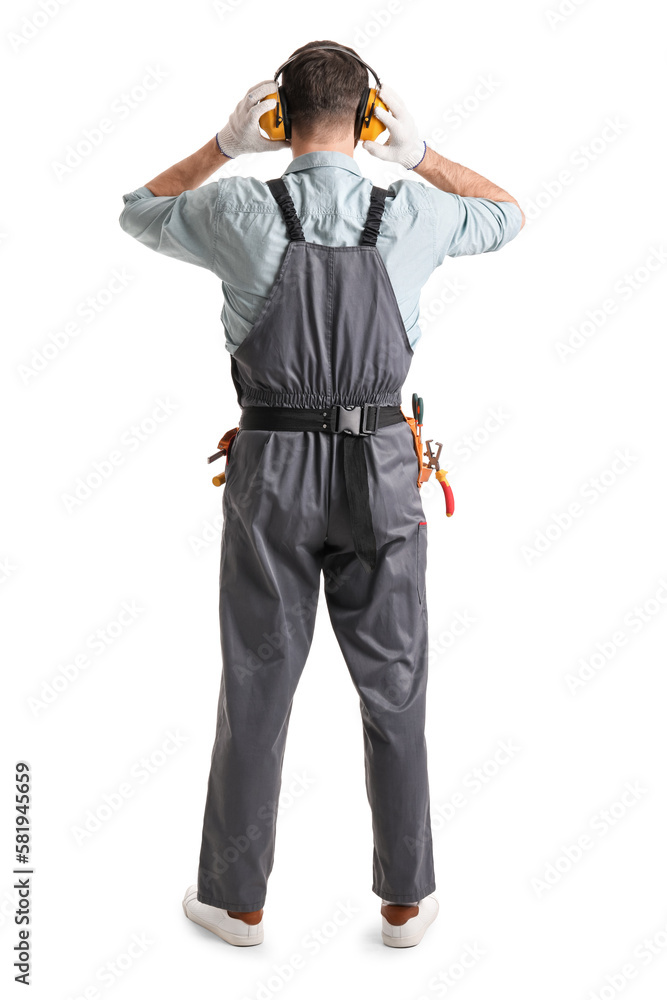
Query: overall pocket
[(230, 460), (422, 544), (245, 472)]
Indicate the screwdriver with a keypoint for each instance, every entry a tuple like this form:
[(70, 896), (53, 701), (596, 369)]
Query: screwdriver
[(418, 413)]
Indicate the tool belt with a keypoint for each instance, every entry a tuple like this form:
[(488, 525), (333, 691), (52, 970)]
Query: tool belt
[(356, 423)]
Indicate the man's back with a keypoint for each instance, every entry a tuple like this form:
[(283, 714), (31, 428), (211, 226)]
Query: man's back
[(233, 227)]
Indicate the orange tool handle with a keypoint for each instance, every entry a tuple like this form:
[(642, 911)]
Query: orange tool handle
[(225, 445), (441, 476)]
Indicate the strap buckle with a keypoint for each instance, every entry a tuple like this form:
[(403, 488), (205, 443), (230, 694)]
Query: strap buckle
[(357, 420)]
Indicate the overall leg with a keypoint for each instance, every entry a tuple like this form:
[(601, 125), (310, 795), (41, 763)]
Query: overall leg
[(269, 586), (381, 623)]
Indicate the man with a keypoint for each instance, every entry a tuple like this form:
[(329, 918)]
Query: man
[(321, 274)]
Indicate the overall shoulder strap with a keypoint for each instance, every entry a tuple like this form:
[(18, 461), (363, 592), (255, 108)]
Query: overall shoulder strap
[(279, 191), (374, 218)]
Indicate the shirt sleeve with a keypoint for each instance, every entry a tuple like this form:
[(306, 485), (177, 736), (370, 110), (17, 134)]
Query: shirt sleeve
[(181, 226), (465, 226)]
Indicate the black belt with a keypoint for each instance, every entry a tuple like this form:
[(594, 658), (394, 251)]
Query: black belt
[(356, 423)]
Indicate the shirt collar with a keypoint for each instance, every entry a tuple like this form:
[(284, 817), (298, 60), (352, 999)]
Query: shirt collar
[(323, 158)]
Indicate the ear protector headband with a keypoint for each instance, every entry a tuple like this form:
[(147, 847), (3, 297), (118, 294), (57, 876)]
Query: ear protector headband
[(277, 124)]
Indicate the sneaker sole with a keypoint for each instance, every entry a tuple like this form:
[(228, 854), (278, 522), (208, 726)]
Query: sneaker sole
[(235, 939)]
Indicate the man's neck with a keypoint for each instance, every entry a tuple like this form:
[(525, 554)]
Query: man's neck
[(300, 146)]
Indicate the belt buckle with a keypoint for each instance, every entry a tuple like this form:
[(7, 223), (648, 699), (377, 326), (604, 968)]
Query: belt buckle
[(357, 420)]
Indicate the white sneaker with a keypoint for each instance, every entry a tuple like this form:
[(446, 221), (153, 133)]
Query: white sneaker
[(215, 919), (412, 931)]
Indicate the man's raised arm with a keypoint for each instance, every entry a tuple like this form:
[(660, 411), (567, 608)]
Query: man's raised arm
[(405, 147), (188, 174), (455, 178)]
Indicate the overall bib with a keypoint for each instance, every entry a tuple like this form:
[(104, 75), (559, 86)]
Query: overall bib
[(321, 479)]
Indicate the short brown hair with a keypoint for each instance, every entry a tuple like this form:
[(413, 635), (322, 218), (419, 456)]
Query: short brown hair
[(323, 89)]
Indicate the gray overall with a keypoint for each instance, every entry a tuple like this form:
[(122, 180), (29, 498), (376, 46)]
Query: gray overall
[(329, 349)]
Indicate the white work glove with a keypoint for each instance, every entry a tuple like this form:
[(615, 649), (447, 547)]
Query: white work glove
[(403, 145), (241, 133)]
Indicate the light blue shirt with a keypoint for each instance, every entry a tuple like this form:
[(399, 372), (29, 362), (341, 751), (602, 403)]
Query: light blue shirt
[(233, 227)]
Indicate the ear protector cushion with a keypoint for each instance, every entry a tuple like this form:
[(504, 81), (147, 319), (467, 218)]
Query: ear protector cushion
[(361, 111), (285, 127)]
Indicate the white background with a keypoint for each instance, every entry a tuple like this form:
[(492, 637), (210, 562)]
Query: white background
[(542, 596)]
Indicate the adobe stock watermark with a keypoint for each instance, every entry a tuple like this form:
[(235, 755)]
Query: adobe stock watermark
[(131, 440), (140, 773), (445, 980), (311, 944), (643, 954), (35, 22), (438, 302), (459, 113), (209, 534), (591, 491), (96, 644), (599, 825), (86, 311), (7, 907), (378, 18), (234, 847), (238, 503), (634, 621), (241, 166), (121, 108), (223, 7), (579, 161), (387, 172), (273, 646), (562, 12), (624, 289), (460, 623), (478, 437), (268, 467), (473, 782), (7, 569), (114, 969), (468, 446)]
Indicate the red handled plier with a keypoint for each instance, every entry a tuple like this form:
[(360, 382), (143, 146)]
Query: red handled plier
[(440, 475)]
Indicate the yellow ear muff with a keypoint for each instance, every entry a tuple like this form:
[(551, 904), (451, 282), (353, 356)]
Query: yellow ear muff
[(372, 130), (269, 119)]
